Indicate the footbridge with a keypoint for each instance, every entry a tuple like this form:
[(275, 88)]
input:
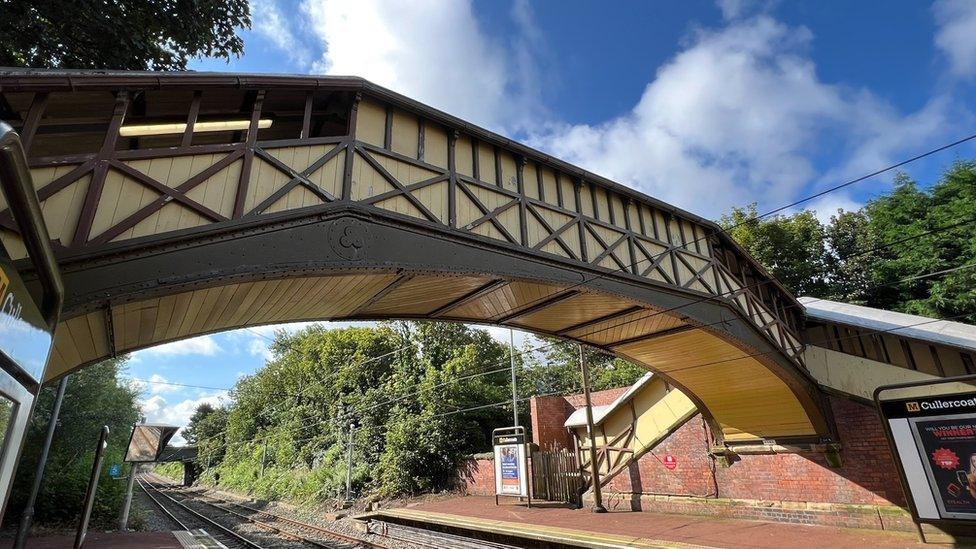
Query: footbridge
[(187, 203)]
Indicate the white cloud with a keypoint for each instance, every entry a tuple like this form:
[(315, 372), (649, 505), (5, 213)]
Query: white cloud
[(956, 34), (203, 345), (271, 23), (155, 385), (737, 116), (158, 410), (433, 51)]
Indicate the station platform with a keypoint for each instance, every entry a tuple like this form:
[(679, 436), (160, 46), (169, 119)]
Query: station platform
[(639, 530), (105, 540)]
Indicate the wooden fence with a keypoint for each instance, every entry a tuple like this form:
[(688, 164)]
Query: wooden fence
[(556, 476)]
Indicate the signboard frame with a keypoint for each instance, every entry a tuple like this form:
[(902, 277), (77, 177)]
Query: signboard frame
[(165, 432), (509, 446), (909, 451)]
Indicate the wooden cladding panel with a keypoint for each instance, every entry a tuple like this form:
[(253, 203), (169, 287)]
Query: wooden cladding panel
[(743, 395), (505, 300), (405, 134), (421, 295), (62, 209), (636, 324), (435, 145), (575, 310), (77, 341), (121, 197), (371, 122)]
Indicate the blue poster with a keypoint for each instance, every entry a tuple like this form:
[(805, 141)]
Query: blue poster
[(115, 470)]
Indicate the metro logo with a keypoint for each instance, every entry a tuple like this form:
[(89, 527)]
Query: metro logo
[(913, 407)]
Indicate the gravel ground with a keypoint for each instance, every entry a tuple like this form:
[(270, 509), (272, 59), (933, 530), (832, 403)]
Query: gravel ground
[(146, 516)]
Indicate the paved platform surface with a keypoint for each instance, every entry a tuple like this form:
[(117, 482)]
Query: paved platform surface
[(655, 528), (103, 540)]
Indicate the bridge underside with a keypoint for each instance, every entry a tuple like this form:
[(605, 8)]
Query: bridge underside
[(279, 199), (295, 272)]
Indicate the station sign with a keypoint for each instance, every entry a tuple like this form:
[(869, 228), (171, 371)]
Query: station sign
[(24, 335), (147, 442), (511, 462), (932, 432)]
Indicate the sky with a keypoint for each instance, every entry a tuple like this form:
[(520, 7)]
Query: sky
[(703, 104)]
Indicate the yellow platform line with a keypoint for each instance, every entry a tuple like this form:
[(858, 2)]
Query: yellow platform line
[(552, 534)]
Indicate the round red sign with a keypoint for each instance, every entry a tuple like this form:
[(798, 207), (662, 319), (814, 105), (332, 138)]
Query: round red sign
[(670, 461)]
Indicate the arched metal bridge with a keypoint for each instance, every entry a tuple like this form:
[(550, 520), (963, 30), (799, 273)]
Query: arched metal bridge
[(188, 203)]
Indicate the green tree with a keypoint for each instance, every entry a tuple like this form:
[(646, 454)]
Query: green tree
[(117, 34), (791, 247), (206, 429), (95, 396)]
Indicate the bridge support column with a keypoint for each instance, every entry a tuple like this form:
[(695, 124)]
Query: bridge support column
[(594, 466)]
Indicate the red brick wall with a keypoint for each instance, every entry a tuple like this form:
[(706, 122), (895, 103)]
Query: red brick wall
[(867, 476), (477, 477), (549, 414), (548, 417)]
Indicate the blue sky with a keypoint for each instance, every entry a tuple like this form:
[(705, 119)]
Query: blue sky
[(703, 104)]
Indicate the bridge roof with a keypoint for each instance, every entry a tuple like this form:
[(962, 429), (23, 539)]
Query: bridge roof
[(73, 80), (943, 332)]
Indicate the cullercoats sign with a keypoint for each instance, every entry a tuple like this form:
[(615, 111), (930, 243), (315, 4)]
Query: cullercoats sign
[(511, 463), (933, 438)]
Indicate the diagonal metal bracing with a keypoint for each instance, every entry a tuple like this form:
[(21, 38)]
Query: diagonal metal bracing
[(297, 178)]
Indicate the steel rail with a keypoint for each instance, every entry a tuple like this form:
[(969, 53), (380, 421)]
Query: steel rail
[(203, 518), (341, 538)]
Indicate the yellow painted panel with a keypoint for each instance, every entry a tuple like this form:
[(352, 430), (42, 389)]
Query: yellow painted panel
[(329, 176), (549, 187), (436, 199), (569, 192), (531, 182), (366, 181), (219, 191), (400, 205), (61, 210), (435, 144), (171, 217), (404, 172), (463, 157), (586, 199), (509, 175), (486, 163), (632, 325), (121, 197), (298, 197), (265, 180), (505, 300), (371, 122), (575, 310), (617, 205), (422, 295), (742, 394), (405, 134)]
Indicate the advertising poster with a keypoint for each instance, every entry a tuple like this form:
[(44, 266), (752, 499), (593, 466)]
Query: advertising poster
[(511, 477), (511, 463), (947, 445)]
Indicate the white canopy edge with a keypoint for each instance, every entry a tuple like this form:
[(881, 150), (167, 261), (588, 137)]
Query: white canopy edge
[(943, 332), (578, 418)]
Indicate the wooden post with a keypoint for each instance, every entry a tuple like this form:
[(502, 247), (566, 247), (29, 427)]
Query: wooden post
[(594, 466)]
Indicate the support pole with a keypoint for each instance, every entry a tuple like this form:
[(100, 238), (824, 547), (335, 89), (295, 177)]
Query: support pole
[(352, 429), (124, 516), (264, 455), (92, 488), (28, 517), (511, 355), (594, 466)]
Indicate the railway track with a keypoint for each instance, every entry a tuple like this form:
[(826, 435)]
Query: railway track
[(282, 531)]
